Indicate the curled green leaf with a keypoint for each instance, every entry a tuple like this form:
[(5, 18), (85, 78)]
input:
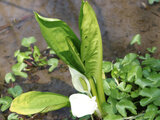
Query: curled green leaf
[(38, 102), (124, 104)]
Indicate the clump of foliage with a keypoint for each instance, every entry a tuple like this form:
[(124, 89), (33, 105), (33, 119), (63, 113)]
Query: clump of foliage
[(133, 88)]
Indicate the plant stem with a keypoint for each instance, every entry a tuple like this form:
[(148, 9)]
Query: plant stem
[(92, 117), (100, 91), (94, 93)]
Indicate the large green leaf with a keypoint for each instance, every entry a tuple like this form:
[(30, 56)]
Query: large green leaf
[(124, 88), (35, 102), (124, 104), (118, 95), (106, 87), (113, 103), (56, 33), (113, 117), (129, 58), (91, 47), (134, 73), (151, 112), (107, 66), (143, 82), (151, 94), (152, 63), (155, 78)]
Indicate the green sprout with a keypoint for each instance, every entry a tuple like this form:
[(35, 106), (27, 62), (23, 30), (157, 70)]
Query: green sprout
[(51, 51), (136, 39), (5, 102), (21, 56), (153, 1), (37, 57), (26, 42), (107, 66), (18, 68), (53, 62), (15, 91), (9, 77), (13, 116), (152, 50), (36, 54)]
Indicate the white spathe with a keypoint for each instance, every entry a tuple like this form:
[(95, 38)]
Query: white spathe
[(82, 105), (76, 75)]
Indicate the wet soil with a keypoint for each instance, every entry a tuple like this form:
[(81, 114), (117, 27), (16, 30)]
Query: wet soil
[(119, 21)]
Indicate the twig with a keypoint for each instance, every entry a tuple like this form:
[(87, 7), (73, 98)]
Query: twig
[(15, 22), (133, 117), (28, 63), (156, 14), (116, 81), (92, 117)]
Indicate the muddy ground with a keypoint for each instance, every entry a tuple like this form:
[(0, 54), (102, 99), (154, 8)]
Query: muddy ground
[(119, 21)]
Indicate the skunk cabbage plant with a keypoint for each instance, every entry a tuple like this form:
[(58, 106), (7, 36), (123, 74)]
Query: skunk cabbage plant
[(84, 58)]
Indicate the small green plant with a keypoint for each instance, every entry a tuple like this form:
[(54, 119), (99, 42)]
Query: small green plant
[(136, 39), (152, 50), (15, 91), (5, 102), (14, 116), (9, 77), (83, 58), (53, 62), (153, 1)]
